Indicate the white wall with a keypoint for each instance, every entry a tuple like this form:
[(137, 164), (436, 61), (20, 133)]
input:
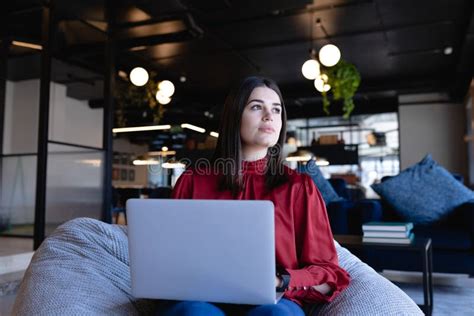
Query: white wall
[(436, 128), (73, 121), (21, 117), (70, 120)]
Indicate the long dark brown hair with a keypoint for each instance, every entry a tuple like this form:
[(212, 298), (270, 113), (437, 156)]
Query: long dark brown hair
[(229, 142)]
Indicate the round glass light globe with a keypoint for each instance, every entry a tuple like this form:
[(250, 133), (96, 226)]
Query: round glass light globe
[(329, 55), (162, 99), (166, 87), (320, 85), (448, 50), (310, 69), (139, 76)]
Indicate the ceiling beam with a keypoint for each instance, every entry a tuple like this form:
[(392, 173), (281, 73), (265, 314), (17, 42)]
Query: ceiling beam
[(287, 12), (306, 39)]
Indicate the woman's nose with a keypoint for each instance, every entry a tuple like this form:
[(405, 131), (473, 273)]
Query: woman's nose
[(267, 116)]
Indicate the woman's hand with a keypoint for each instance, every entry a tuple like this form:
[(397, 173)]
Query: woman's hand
[(322, 288), (278, 281)]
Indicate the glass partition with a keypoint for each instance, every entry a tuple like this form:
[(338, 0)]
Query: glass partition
[(17, 199), (18, 159), (74, 184), (75, 162)]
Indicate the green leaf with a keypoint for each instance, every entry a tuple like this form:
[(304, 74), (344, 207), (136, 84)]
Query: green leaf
[(129, 96), (344, 79)]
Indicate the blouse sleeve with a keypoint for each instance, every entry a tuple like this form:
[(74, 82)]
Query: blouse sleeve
[(183, 188), (317, 256)]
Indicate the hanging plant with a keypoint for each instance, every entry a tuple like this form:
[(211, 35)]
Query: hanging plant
[(344, 79), (131, 97)]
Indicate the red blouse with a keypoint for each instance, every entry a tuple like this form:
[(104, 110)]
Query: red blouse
[(303, 237)]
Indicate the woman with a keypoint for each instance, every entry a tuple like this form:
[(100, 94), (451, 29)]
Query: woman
[(248, 165)]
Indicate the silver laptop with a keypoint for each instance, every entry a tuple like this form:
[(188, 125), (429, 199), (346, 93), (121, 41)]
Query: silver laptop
[(202, 250)]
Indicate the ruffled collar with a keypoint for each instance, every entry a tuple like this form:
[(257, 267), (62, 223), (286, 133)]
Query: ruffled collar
[(255, 166)]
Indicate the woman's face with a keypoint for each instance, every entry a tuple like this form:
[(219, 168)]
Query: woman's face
[(261, 120)]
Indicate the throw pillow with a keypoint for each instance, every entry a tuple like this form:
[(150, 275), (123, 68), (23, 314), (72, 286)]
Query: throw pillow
[(326, 189), (424, 193)]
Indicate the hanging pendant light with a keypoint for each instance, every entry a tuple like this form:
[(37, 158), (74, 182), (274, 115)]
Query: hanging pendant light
[(162, 99), (311, 69), (139, 76), (329, 55), (167, 88), (321, 83)]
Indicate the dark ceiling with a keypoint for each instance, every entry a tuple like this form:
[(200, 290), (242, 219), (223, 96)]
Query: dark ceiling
[(397, 45)]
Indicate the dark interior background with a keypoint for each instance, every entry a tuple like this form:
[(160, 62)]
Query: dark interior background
[(399, 47)]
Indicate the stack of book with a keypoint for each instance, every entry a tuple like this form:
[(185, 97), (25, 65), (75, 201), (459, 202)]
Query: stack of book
[(388, 232)]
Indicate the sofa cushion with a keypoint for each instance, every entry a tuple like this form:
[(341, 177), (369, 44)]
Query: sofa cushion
[(424, 193), (340, 187), (327, 191)]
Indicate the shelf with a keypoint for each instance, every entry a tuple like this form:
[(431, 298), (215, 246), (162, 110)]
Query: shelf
[(337, 154)]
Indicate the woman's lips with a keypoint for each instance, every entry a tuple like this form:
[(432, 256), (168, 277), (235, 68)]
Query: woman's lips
[(268, 130)]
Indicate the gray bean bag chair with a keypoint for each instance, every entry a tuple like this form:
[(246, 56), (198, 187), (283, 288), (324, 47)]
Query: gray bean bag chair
[(82, 269)]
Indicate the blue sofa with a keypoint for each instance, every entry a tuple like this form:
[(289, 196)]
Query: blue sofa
[(347, 216), (452, 237)]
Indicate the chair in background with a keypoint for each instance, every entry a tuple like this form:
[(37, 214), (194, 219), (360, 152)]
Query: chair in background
[(160, 193), (118, 207)]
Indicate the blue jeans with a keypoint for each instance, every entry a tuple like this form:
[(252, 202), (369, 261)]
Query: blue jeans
[(191, 308)]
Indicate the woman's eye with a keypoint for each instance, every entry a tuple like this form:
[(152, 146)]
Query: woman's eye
[(276, 110), (256, 107)]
